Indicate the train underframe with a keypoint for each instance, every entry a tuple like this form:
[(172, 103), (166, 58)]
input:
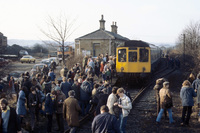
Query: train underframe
[(132, 78)]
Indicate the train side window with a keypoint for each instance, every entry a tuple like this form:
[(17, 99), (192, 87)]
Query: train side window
[(132, 57), (144, 55), (122, 55)]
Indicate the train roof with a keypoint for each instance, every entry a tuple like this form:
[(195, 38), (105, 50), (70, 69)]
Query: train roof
[(135, 43)]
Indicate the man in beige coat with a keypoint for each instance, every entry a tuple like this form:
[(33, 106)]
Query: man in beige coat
[(112, 98), (71, 111), (165, 96)]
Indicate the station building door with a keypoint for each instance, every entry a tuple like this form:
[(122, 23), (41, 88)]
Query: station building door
[(96, 49)]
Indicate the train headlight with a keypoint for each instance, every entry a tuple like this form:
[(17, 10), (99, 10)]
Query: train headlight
[(143, 69)]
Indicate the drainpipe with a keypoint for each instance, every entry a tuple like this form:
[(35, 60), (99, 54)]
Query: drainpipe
[(109, 46)]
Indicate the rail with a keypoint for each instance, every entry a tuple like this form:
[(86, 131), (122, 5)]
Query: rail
[(143, 89), (134, 100)]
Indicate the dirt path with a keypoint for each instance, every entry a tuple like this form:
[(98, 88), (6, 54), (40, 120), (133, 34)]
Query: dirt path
[(143, 119)]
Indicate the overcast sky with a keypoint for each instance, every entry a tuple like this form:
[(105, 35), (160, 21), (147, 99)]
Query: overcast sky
[(155, 21)]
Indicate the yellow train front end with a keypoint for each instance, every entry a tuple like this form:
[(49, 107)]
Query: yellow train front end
[(133, 60)]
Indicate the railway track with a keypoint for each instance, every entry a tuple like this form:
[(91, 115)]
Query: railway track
[(135, 93), (163, 73)]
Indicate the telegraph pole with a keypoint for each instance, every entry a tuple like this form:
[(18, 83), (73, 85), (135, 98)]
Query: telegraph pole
[(184, 49)]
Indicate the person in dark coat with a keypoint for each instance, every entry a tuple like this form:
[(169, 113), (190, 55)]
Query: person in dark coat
[(21, 108), (65, 87), (108, 88), (60, 97), (46, 86), (52, 75), (187, 93), (53, 65), (71, 110), (65, 71), (45, 70), (85, 96), (33, 105), (41, 98), (8, 120), (50, 108), (191, 78), (102, 100), (76, 87), (97, 67), (28, 85), (105, 122)]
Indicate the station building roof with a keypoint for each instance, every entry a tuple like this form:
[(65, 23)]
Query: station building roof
[(103, 34)]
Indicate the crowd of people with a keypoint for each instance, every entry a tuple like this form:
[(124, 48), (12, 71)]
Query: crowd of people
[(67, 96), (190, 89), (74, 92)]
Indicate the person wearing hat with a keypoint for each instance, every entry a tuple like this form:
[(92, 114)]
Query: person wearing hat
[(165, 102), (157, 87), (71, 110), (60, 97)]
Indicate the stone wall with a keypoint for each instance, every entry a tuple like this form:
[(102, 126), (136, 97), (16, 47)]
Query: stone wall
[(87, 45)]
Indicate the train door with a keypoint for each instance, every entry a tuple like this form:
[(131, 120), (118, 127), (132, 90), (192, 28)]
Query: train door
[(121, 62), (145, 60), (132, 59)]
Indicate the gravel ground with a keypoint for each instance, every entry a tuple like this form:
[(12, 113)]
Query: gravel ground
[(143, 117)]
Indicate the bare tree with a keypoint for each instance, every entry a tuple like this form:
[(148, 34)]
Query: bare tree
[(188, 45), (190, 38), (59, 30)]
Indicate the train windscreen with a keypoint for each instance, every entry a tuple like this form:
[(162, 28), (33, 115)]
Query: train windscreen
[(122, 55), (144, 55), (132, 56)]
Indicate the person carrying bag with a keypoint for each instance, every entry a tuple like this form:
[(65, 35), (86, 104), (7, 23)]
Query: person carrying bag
[(166, 102)]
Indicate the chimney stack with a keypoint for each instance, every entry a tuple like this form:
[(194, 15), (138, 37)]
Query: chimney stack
[(102, 23), (114, 27)]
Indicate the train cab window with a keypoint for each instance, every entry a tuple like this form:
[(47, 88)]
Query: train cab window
[(144, 55), (122, 55), (132, 57)]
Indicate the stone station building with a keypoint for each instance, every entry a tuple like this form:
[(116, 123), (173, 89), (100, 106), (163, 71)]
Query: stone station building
[(99, 41)]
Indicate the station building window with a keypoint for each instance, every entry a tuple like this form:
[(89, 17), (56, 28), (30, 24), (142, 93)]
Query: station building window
[(122, 55)]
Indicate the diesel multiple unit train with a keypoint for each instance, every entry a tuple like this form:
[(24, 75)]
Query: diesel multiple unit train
[(137, 58)]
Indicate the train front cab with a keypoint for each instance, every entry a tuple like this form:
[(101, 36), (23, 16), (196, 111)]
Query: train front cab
[(133, 60)]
